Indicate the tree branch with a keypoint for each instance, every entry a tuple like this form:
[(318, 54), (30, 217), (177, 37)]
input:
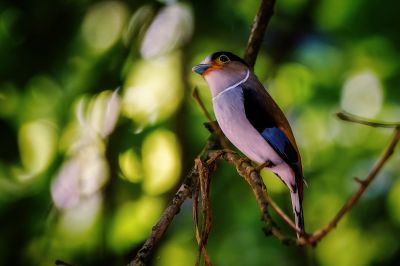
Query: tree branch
[(260, 24), (63, 263), (365, 121), (204, 187), (319, 234)]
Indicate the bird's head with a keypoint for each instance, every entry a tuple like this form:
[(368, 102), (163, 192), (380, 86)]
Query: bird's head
[(221, 70)]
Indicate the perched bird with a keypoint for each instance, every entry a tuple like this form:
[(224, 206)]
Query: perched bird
[(253, 122)]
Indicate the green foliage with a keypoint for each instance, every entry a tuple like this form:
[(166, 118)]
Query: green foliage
[(97, 128)]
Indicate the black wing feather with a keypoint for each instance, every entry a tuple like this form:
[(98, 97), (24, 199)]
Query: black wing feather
[(267, 126)]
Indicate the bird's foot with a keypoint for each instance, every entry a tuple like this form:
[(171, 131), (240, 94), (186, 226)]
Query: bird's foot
[(228, 151), (217, 154), (247, 169), (250, 169), (267, 163)]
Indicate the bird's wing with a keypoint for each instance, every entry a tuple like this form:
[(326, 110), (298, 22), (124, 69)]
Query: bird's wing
[(265, 116), (268, 119)]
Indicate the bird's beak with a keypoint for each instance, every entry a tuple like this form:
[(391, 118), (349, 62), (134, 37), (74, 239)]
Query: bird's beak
[(201, 68)]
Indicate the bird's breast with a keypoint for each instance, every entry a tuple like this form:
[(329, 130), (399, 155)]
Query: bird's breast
[(230, 113)]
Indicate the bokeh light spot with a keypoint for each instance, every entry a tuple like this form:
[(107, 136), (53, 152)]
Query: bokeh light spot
[(104, 112), (103, 25), (37, 142), (171, 28), (153, 90), (161, 162), (130, 166), (362, 94)]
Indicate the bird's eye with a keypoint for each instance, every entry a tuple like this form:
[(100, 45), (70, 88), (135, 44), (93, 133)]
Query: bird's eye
[(223, 58)]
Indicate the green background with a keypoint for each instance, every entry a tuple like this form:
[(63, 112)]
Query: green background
[(85, 173)]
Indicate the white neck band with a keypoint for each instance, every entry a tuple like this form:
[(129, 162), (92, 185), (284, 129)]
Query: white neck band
[(234, 85)]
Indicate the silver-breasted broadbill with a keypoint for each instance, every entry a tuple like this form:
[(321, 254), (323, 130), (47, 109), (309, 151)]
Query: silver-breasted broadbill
[(253, 122)]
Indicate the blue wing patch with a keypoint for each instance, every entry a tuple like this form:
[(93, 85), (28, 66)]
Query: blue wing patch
[(281, 144)]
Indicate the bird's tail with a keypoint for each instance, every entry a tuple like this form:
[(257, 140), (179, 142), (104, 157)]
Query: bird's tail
[(294, 182), (298, 211)]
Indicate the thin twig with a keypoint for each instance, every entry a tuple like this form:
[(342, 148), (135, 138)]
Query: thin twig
[(365, 121), (204, 184), (195, 208), (318, 235), (63, 263), (260, 24)]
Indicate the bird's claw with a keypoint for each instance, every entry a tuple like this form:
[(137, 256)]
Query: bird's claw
[(249, 169), (215, 155), (228, 151), (267, 163)]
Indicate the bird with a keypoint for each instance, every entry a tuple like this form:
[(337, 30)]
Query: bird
[(253, 122)]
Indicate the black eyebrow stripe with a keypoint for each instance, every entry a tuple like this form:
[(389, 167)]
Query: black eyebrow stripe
[(230, 55)]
